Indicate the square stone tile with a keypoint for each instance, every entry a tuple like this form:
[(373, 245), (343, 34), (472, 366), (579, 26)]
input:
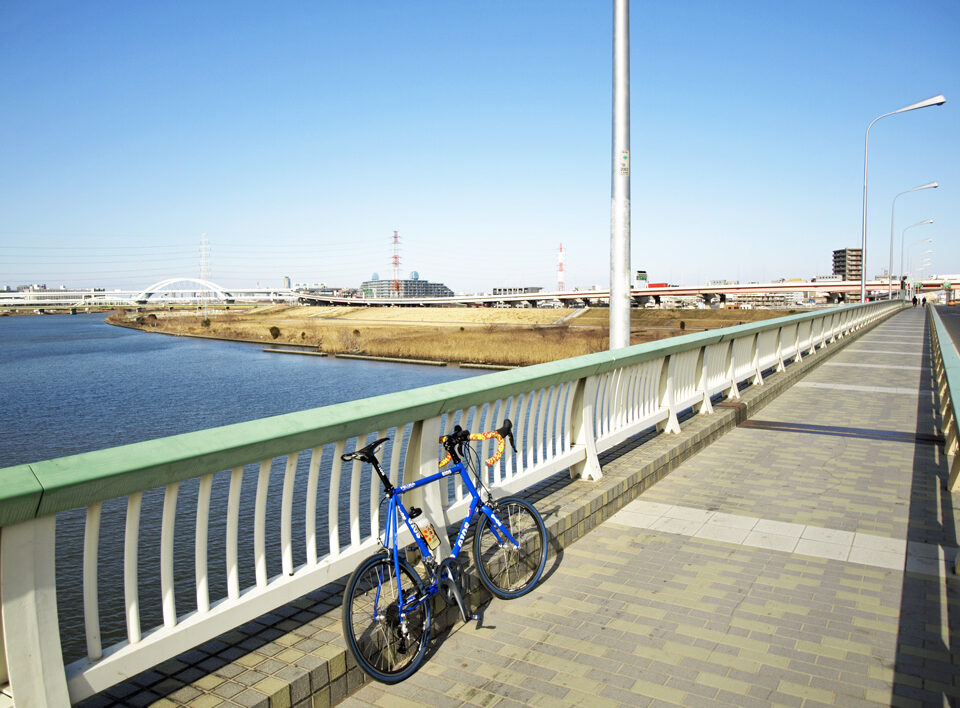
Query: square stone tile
[(915, 549), (684, 527), (822, 549), (733, 520), (868, 541), (719, 532), (779, 528), (688, 514), (881, 559), (629, 518), (835, 536), (647, 507), (773, 541)]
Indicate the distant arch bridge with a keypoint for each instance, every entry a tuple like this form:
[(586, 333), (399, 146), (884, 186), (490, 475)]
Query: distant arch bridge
[(164, 287)]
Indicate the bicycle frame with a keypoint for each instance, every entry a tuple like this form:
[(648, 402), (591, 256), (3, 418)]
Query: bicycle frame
[(396, 510)]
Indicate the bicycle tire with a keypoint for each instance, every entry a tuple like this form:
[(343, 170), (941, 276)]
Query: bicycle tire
[(506, 571), (371, 620)]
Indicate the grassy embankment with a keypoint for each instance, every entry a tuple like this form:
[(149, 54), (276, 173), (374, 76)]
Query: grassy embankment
[(471, 335)]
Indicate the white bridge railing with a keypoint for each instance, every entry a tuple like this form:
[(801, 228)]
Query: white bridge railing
[(163, 545)]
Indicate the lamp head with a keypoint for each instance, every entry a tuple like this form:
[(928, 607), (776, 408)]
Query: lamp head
[(932, 101), (931, 185)]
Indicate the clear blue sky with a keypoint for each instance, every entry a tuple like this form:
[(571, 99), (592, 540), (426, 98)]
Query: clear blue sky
[(298, 136)]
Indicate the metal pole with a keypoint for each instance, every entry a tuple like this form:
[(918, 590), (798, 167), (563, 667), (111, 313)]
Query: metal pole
[(893, 211), (902, 235), (863, 240), (620, 185)]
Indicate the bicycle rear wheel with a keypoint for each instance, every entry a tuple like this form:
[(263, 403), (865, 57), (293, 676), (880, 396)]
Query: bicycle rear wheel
[(387, 647), (506, 570)]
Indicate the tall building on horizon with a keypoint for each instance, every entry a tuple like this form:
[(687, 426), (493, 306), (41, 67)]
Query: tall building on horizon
[(413, 287), (848, 263)]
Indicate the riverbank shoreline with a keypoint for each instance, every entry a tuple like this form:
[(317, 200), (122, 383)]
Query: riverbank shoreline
[(471, 337)]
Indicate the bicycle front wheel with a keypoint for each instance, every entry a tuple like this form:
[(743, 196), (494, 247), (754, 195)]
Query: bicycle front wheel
[(387, 640), (509, 571)]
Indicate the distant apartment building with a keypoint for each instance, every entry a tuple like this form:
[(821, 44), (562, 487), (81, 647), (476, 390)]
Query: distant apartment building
[(848, 262), (412, 287), (286, 282), (517, 291)]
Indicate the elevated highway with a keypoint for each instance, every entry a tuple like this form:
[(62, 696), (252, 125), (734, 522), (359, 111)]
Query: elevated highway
[(191, 290), (836, 291)]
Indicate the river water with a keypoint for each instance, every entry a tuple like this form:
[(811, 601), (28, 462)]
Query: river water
[(71, 384)]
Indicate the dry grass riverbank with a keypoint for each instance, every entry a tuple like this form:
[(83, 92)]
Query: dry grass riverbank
[(457, 334)]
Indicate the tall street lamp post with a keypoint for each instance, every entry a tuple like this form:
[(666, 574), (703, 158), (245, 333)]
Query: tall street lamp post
[(620, 184), (931, 185), (933, 101), (903, 235)]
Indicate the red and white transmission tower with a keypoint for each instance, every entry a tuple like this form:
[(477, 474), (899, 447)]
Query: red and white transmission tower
[(560, 270), (396, 264)]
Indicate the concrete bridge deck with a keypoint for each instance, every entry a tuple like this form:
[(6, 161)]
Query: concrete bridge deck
[(804, 558)]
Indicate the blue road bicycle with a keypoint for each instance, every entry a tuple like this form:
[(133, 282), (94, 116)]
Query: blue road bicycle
[(386, 604)]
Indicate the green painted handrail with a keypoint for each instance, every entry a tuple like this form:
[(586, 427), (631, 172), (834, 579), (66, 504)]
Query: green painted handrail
[(47, 487)]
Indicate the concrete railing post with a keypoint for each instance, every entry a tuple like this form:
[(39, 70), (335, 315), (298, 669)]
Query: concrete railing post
[(671, 424), (581, 429), (29, 591)]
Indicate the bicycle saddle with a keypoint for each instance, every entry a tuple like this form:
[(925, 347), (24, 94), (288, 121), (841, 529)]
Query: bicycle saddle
[(364, 454)]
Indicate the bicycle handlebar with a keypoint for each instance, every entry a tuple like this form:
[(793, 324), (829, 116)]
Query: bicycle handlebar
[(455, 442)]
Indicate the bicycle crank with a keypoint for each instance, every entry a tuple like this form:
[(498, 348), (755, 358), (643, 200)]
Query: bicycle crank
[(449, 572)]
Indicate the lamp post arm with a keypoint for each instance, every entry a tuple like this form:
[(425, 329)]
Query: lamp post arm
[(863, 236)]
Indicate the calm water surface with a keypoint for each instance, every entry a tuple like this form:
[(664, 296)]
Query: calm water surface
[(71, 383)]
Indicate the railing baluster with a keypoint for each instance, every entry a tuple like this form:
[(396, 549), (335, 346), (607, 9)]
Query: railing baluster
[(633, 413), (233, 525), (286, 514), (333, 500), (510, 467), (91, 609), (532, 428), (356, 472), (541, 425), (167, 533), (396, 453), (375, 487), (600, 426), (557, 417), (200, 543), (260, 524), (131, 541), (310, 522), (567, 417), (518, 429)]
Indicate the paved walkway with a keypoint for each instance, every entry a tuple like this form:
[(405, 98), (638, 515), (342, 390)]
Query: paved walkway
[(800, 560)]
